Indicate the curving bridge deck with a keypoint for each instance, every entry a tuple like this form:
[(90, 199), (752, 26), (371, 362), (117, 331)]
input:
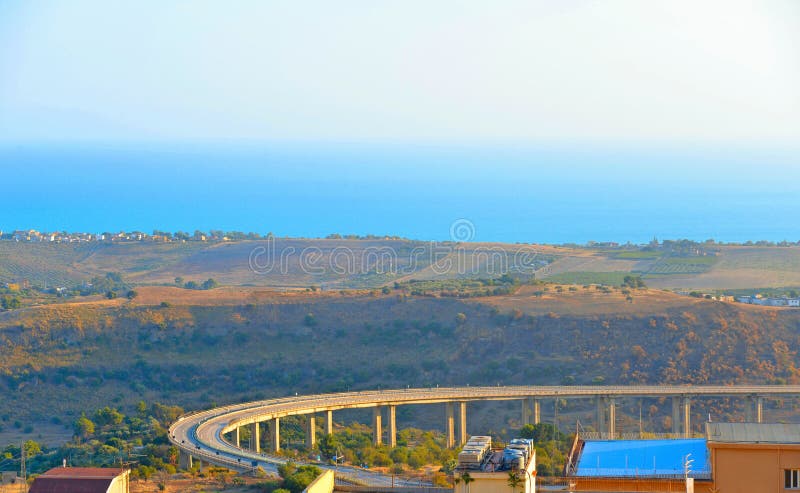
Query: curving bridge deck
[(203, 434)]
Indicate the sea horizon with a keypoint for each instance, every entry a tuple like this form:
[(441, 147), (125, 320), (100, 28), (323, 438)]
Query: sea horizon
[(549, 194)]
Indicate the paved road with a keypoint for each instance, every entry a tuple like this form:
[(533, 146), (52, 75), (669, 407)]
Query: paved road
[(200, 433)]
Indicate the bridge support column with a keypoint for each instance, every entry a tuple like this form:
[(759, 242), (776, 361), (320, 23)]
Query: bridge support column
[(676, 415), (531, 411), (462, 423), (449, 424), (754, 409), (687, 417), (601, 415), (184, 460), (392, 438), (275, 434), (328, 422), (235, 437), (759, 409), (377, 425), (612, 418), (311, 432), (255, 437)]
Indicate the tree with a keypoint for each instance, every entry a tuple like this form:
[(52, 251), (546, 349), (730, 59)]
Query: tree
[(461, 318), (467, 479), (132, 294), (111, 294), (108, 416), (210, 284), (540, 432), (287, 469), (31, 448), (514, 480), (84, 427), (10, 302), (328, 445), (179, 280)]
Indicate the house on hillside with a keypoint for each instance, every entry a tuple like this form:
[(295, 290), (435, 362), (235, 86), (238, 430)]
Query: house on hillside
[(82, 480)]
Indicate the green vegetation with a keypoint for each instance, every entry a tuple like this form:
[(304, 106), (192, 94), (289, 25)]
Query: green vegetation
[(605, 278), (9, 302), (415, 448), (108, 437), (552, 446), (208, 284), (461, 288)]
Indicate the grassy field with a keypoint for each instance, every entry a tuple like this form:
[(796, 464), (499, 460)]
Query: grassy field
[(365, 264), (682, 265)]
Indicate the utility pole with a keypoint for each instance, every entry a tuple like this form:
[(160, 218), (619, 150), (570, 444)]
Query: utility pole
[(23, 473)]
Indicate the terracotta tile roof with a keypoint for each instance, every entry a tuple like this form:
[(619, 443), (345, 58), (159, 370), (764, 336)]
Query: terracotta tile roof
[(75, 480), (83, 472)]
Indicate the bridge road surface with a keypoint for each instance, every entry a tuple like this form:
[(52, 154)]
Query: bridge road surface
[(200, 434)]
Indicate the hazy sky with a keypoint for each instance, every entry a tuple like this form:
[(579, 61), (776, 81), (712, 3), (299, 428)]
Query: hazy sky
[(716, 72)]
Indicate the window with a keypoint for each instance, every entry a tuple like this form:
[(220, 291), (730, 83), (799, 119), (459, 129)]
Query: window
[(791, 479)]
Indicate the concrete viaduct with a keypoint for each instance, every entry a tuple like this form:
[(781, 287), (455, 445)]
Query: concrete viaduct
[(203, 434)]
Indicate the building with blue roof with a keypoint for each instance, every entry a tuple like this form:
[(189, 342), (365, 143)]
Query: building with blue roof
[(643, 458)]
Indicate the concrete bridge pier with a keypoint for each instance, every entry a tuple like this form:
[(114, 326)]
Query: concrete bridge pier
[(449, 424), (235, 438), (462, 423), (255, 437), (184, 460), (687, 417), (676, 415), (600, 424), (275, 434), (377, 425), (311, 431), (754, 409), (392, 438), (328, 422), (612, 417), (531, 411)]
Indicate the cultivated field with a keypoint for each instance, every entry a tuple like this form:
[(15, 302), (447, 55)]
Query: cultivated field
[(355, 264)]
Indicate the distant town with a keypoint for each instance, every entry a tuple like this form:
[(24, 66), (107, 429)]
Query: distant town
[(34, 236)]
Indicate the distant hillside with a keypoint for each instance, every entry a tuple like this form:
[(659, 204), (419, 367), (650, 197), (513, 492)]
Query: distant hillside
[(341, 263), (229, 345), (334, 264)]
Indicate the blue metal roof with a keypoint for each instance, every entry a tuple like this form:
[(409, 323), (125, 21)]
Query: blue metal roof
[(642, 458)]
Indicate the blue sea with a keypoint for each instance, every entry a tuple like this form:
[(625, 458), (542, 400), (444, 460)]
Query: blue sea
[(514, 193)]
